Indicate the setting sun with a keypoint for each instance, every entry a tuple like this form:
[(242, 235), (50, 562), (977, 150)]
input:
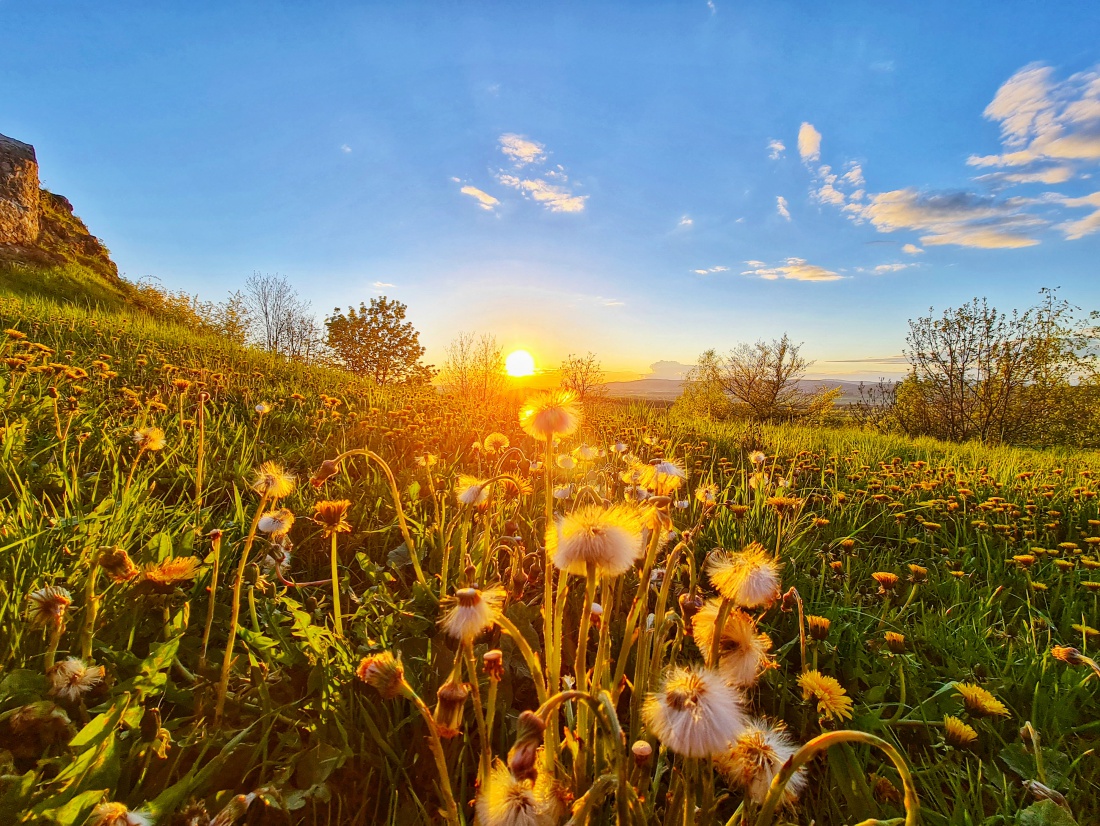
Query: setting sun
[(520, 363)]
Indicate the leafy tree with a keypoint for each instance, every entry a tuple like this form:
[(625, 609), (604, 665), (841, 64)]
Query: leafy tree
[(376, 341), (977, 373), (583, 375), (702, 393)]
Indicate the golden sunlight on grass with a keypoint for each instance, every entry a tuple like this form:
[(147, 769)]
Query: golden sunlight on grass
[(520, 363)]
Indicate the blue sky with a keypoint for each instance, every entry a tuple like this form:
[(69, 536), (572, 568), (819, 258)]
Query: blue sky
[(642, 180)]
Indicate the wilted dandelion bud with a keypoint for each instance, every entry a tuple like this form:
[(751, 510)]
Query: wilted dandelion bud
[(895, 642), (252, 573), (47, 606), (116, 563), (918, 574), (1068, 655), (642, 752), (523, 758), (689, 607), (596, 614), (493, 662), (1041, 791), (216, 535), (819, 627), (116, 814), (887, 582), (1029, 735), (450, 703), (885, 791), (383, 672), (328, 469)]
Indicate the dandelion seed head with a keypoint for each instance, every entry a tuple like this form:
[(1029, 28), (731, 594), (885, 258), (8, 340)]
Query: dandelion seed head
[(608, 538), (694, 713)]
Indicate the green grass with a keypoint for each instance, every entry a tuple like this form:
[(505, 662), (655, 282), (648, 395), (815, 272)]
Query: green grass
[(315, 745)]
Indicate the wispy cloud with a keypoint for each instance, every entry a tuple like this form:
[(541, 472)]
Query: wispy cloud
[(781, 207), (809, 142), (548, 188), (522, 150), (793, 269), (685, 221), (883, 269), (776, 148), (1083, 226), (381, 285), (345, 149), (553, 197), (961, 218), (484, 199), (711, 270), (713, 8)]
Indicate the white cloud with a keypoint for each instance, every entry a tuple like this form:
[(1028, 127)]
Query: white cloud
[(960, 218), (1082, 226), (1043, 118), (522, 150), (685, 221), (345, 149), (711, 270), (381, 285), (781, 207), (793, 269), (1048, 175), (809, 142), (776, 148), (553, 197), (484, 199), (882, 269), (755, 264), (713, 8), (912, 249), (854, 175)]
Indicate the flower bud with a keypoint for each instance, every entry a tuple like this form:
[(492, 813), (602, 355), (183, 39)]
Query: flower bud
[(642, 751), (493, 662), (449, 707), (384, 672)]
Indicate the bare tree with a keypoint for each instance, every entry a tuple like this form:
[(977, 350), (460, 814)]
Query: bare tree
[(474, 368), (583, 375), (282, 321), (764, 378), (702, 393)]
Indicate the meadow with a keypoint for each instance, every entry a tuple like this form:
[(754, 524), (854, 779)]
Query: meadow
[(236, 589)]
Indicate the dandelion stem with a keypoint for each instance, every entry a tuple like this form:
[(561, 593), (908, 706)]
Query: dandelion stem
[(641, 597), (216, 550), (719, 627), (823, 742), (336, 611), (450, 812), (91, 611), (580, 663), (235, 615), (528, 654), (51, 646), (479, 712)]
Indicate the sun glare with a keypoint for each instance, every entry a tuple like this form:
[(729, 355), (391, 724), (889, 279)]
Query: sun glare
[(519, 363)]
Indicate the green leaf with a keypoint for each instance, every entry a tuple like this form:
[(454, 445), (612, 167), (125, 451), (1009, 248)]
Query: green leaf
[(75, 811), (1045, 813)]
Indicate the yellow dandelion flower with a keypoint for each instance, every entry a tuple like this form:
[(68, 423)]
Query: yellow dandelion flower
[(980, 702), (331, 515), (832, 700), (957, 733), (164, 576)]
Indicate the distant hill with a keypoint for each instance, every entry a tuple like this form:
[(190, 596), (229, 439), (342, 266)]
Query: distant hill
[(670, 389)]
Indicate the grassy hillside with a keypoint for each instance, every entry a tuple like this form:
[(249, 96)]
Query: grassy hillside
[(129, 451)]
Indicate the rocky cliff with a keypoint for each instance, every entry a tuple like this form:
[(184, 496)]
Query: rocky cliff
[(39, 228)]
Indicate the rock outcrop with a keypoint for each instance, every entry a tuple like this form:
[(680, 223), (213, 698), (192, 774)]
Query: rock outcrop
[(19, 193), (39, 228)]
